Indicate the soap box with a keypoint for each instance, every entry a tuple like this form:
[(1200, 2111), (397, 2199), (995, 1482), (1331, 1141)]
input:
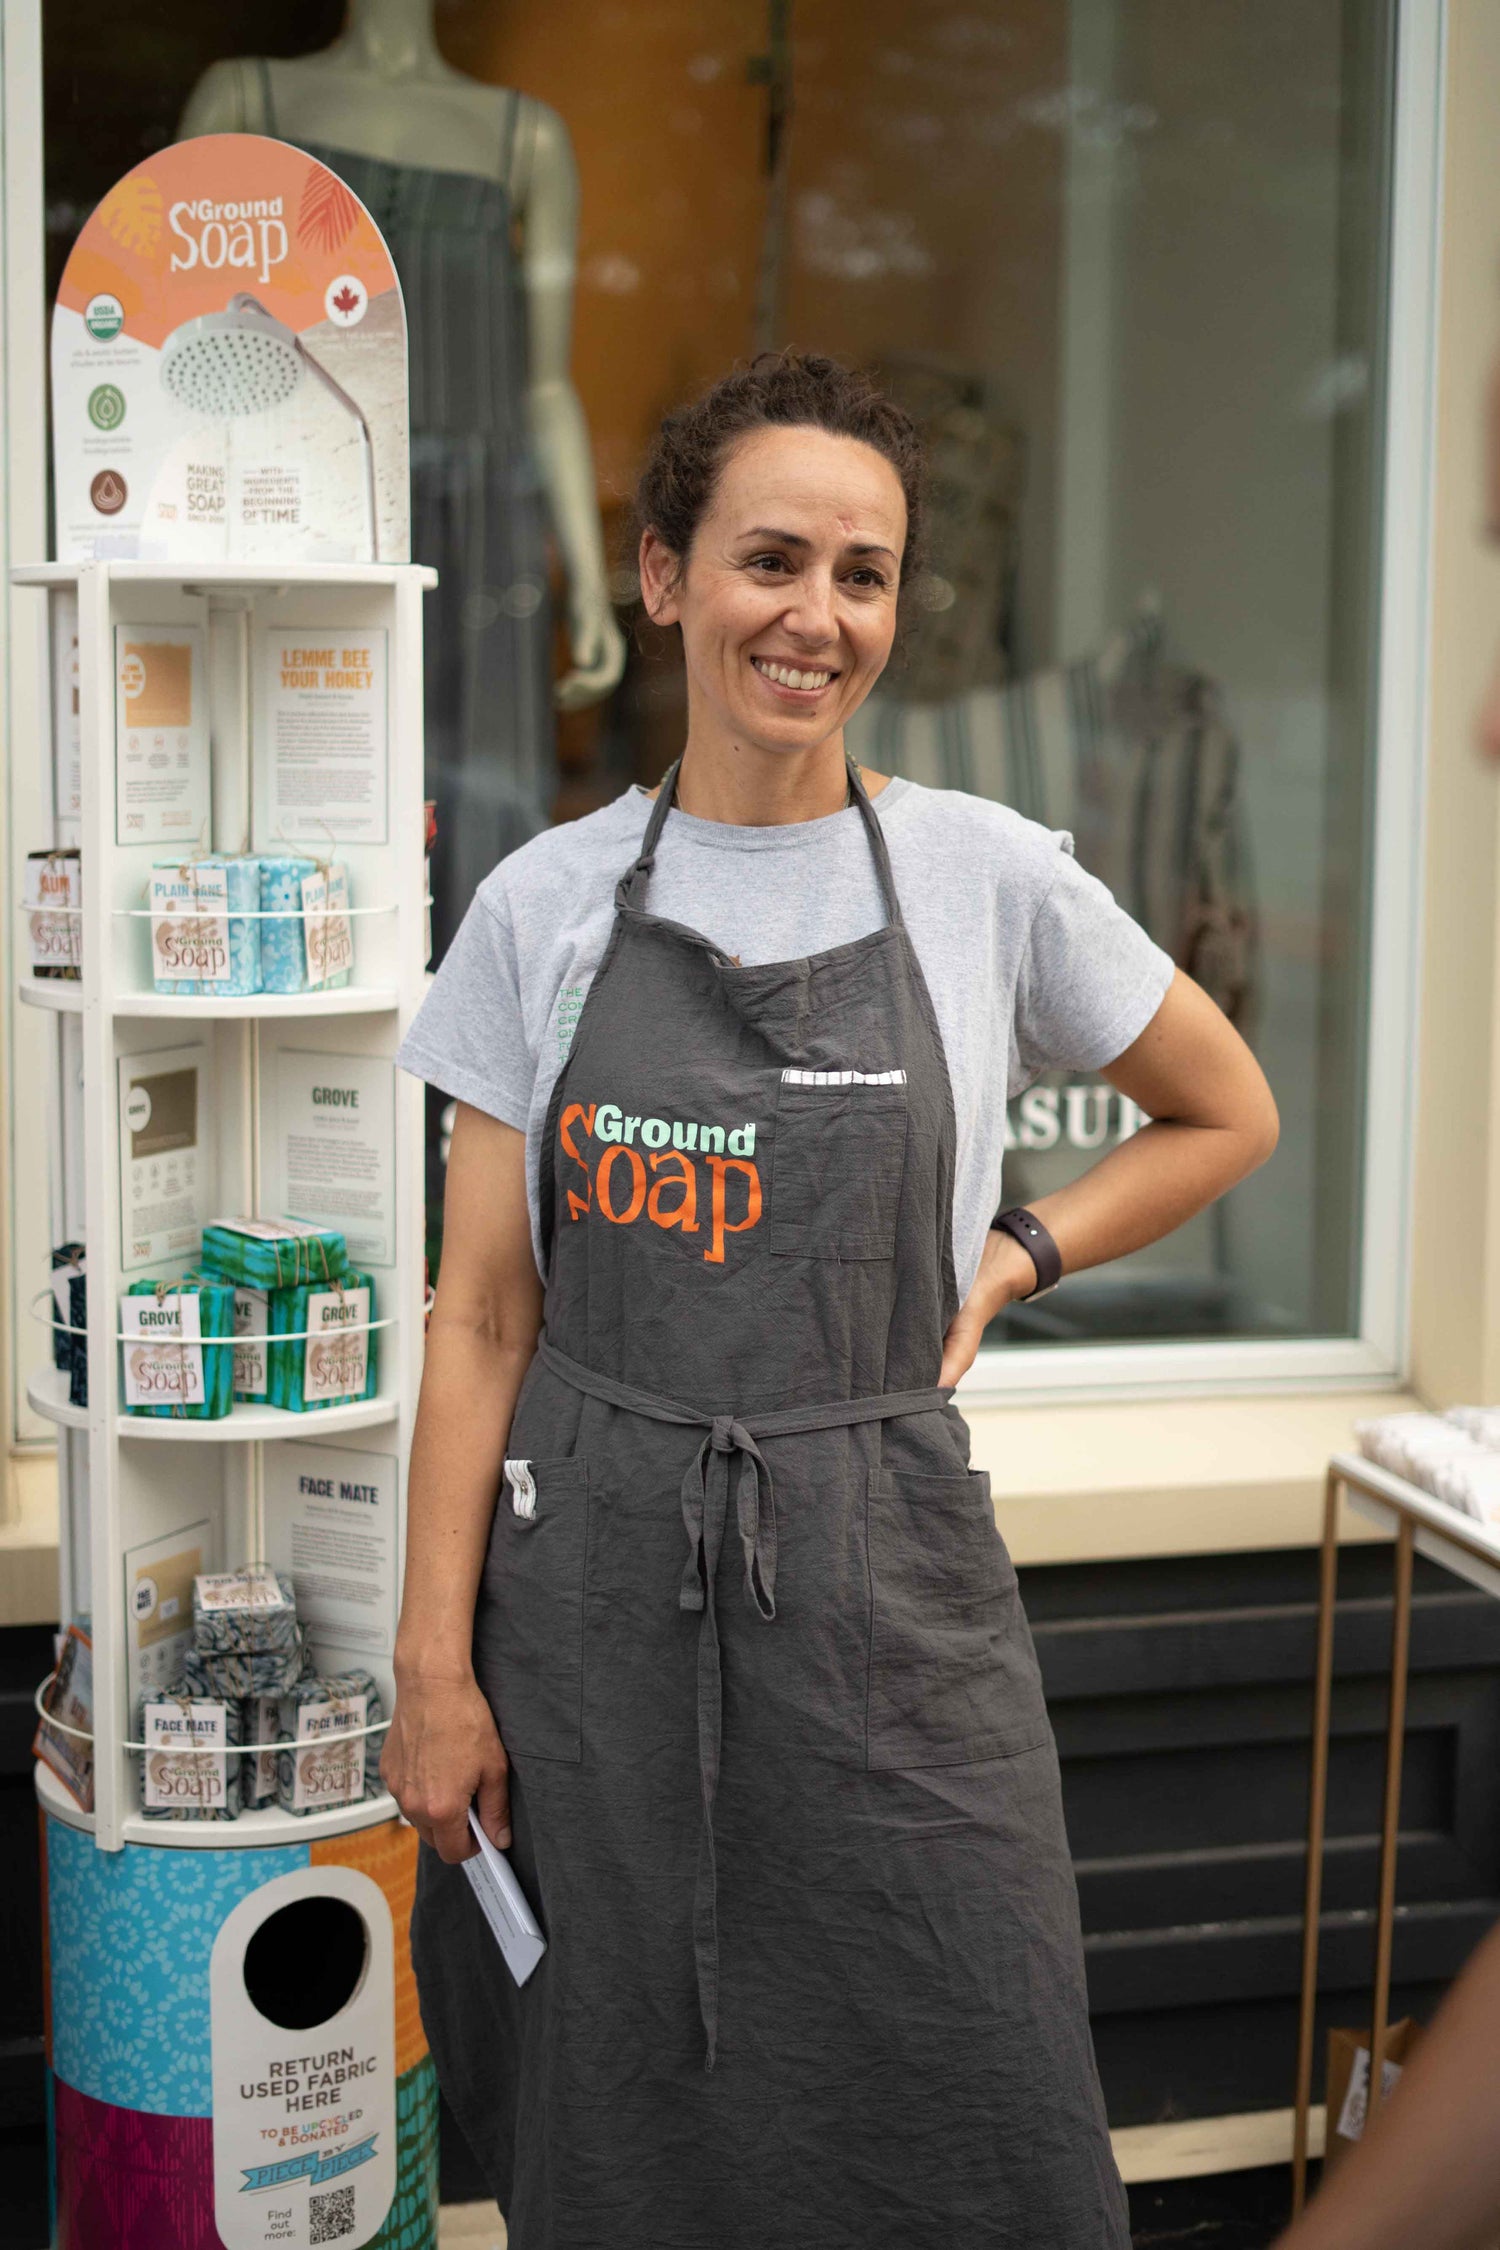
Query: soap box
[(205, 930), (248, 1612), (54, 913), (261, 1715), (273, 1253), (316, 1768), (322, 1345), (307, 943), (170, 1366), (188, 1769)]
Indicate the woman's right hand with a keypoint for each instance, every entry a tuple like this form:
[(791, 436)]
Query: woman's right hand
[(442, 1752)]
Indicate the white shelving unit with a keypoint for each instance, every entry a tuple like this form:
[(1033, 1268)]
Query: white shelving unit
[(129, 1479)]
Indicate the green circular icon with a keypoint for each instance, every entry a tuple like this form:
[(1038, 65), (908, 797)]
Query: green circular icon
[(106, 407), (104, 316)]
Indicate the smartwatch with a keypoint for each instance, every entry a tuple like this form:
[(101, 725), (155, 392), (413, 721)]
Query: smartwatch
[(1037, 1242)]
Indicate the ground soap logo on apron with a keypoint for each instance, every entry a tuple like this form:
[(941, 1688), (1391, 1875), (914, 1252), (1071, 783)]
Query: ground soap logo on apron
[(661, 1171)]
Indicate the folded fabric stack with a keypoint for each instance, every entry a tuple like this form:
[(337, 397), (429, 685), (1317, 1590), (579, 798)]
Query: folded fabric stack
[(1455, 1455)]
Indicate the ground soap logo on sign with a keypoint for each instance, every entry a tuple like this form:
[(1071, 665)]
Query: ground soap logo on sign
[(687, 1165), (249, 235)]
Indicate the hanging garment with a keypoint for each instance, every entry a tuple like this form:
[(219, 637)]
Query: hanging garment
[(478, 513), (783, 1791)]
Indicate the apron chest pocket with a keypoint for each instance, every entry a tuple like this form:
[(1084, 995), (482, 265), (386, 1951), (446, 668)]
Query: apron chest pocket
[(838, 1162), (953, 1675), (528, 1628)]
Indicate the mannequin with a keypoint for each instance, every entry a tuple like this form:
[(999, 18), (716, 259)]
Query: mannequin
[(476, 190)]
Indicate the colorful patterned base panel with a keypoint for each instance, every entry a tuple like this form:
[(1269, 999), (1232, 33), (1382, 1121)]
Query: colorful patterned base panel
[(129, 1935), (127, 2180)]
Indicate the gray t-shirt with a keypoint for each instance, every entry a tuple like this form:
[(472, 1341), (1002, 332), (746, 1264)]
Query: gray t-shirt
[(1030, 963)]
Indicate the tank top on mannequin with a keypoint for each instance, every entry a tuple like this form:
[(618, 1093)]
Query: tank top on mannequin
[(478, 513)]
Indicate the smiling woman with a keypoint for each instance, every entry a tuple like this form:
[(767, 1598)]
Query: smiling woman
[(726, 1230)]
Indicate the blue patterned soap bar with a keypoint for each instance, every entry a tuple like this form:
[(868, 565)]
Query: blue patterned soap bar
[(205, 931), (189, 1771), (317, 1768), (261, 1715), (247, 1612), (306, 938)]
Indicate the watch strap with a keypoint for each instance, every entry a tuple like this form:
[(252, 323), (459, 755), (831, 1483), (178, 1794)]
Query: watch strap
[(1034, 1239)]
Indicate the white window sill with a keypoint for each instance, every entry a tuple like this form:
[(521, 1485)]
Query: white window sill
[(1104, 1482), (1095, 1483)]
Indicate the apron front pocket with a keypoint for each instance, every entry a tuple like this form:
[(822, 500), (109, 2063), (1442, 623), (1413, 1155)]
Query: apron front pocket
[(528, 1628), (953, 1675), (838, 1162)]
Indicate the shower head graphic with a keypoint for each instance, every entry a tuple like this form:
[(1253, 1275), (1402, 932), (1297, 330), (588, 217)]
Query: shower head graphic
[(244, 361)]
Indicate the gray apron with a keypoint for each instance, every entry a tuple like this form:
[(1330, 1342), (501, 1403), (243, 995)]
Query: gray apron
[(783, 1790)]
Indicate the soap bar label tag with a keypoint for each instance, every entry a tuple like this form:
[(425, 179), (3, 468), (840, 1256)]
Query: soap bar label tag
[(338, 1344), (325, 925), (190, 923), (332, 1770), (186, 1756), (250, 1326), (163, 1351)]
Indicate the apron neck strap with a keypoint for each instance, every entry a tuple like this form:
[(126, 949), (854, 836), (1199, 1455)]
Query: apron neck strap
[(632, 891)]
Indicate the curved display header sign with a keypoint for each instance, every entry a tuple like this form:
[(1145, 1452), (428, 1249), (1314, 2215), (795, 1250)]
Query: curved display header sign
[(229, 367)]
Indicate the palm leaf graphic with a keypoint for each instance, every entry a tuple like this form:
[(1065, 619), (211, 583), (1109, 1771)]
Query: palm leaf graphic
[(329, 212), (131, 215)]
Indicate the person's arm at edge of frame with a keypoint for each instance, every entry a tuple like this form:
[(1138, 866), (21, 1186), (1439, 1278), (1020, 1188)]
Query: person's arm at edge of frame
[(1213, 1120), (1427, 2169), (443, 1749)]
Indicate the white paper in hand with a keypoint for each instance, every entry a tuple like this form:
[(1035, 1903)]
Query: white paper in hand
[(504, 1904)]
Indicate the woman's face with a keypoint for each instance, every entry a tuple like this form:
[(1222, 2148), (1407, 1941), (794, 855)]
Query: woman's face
[(788, 600)]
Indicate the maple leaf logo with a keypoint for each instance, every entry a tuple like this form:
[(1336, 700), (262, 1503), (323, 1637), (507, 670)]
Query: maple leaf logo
[(329, 212), (131, 214), (347, 300)]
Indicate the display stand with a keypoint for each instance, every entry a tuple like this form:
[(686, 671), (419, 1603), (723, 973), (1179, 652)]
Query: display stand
[(1421, 1525), (169, 1895)]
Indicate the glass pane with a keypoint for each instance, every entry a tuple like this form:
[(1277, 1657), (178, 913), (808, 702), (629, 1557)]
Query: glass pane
[(1125, 259)]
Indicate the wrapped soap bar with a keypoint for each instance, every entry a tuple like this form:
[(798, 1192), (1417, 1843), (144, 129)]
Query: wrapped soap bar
[(260, 1716), (317, 1768), (205, 927), (251, 1347), (249, 1612), (306, 939), (67, 1259), (170, 1364), (54, 919), (273, 1253), (189, 1768), (78, 1343), (244, 1672), (322, 1344)]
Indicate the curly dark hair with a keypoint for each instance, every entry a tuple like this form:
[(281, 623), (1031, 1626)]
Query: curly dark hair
[(792, 389)]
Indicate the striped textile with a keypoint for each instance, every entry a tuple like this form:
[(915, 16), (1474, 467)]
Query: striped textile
[(1131, 755)]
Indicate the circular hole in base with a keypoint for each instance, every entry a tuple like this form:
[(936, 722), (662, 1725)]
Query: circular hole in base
[(305, 1961)]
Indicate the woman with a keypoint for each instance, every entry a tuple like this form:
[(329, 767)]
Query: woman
[(732, 1070)]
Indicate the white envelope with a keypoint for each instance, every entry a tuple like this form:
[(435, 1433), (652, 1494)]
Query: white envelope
[(504, 1904)]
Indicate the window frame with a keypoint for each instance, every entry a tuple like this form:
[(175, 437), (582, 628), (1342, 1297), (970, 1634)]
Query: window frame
[(1378, 1356)]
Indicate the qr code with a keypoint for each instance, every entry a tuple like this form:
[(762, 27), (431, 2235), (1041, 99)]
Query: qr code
[(330, 2217)]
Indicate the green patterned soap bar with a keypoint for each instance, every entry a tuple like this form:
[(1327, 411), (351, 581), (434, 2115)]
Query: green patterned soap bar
[(169, 1365), (273, 1253), (323, 1346)]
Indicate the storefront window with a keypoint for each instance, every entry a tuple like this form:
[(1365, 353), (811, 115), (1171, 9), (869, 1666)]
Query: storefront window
[(1126, 261)]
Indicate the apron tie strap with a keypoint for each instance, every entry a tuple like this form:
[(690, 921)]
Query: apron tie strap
[(705, 1510)]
